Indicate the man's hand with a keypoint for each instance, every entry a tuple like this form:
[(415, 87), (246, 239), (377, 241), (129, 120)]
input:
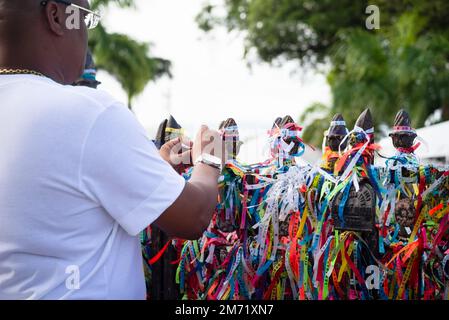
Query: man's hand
[(209, 142), (178, 157), (192, 212)]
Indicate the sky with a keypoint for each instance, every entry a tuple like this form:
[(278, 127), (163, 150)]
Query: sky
[(211, 79)]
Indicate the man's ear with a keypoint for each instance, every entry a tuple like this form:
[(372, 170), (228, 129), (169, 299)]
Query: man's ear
[(55, 18)]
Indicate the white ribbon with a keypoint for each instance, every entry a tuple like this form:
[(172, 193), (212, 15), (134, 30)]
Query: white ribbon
[(357, 155)]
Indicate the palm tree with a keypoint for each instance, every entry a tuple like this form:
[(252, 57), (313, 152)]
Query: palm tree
[(126, 59)]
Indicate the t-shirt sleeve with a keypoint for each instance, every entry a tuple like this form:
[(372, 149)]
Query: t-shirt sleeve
[(122, 170)]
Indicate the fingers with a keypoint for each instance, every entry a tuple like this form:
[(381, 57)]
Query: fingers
[(172, 143), (186, 157), (200, 134), (186, 143), (183, 159), (182, 150), (197, 149), (207, 141), (178, 145)]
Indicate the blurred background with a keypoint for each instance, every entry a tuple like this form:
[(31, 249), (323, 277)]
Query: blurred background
[(255, 60)]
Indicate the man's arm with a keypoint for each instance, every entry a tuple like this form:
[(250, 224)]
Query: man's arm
[(192, 211), (121, 170)]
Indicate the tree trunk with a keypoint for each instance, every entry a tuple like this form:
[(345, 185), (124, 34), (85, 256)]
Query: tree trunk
[(130, 107), (445, 112)]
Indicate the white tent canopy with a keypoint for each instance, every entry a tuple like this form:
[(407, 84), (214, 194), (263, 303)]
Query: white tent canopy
[(435, 149)]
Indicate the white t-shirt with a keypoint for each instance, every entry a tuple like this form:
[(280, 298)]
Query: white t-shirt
[(79, 179)]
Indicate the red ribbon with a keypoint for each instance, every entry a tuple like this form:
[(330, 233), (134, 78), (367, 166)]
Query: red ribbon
[(159, 254), (411, 149)]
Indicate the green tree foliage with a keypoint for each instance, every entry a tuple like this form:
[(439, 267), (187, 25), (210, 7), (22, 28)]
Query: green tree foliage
[(306, 30), (286, 29), (404, 68), (96, 4), (405, 64), (126, 59)]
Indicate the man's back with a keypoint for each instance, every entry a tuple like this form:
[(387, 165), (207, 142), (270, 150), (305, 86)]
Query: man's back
[(67, 211)]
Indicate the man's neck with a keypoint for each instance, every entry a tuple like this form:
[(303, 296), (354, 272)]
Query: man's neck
[(49, 72)]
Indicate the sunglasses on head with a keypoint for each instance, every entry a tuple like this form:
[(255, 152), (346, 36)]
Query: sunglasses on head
[(91, 19)]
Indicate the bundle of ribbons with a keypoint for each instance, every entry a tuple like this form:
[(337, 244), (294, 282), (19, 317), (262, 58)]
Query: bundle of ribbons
[(346, 229)]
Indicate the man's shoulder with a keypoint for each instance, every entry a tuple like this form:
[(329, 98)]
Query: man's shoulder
[(81, 97), (88, 96)]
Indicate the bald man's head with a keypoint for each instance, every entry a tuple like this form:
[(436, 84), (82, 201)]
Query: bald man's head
[(36, 34), (17, 4), (17, 15)]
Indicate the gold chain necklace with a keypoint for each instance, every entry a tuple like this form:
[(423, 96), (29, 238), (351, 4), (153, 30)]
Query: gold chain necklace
[(20, 71)]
